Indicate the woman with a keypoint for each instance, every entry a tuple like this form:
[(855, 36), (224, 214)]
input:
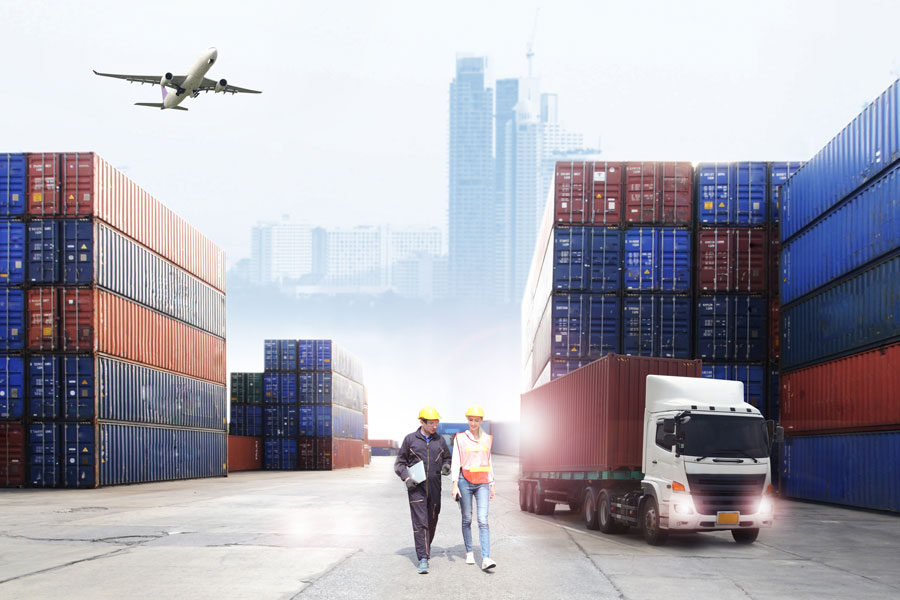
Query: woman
[(473, 477)]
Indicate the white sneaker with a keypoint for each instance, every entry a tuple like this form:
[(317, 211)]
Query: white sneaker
[(470, 558), (487, 563)]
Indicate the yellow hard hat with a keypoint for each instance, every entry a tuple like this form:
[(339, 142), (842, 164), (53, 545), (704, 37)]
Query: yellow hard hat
[(429, 413), (475, 411)]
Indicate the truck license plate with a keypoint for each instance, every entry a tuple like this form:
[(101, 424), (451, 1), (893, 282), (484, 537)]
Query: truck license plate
[(728, 518)]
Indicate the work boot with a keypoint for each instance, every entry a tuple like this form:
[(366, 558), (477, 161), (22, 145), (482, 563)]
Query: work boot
[(423, 566), (487, 563), (470, 558)]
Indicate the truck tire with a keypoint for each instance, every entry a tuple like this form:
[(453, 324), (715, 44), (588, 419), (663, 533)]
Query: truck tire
[(589, 509), (529, 497), (653, 534), (605, 521), (541, 506), (745, 536), (523, 497)]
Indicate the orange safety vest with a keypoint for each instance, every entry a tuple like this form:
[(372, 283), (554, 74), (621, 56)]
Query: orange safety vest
[(475, 457)]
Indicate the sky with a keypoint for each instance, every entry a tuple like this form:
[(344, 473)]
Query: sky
[(352, 125)]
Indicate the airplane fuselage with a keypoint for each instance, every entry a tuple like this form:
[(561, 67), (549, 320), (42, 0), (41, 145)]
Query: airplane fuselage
[(192, 79)]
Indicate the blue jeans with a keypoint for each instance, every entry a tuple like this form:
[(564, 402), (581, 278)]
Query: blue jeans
[(481, 492)]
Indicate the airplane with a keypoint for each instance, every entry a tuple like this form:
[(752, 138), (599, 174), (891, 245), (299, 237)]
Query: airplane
[(185, 86)]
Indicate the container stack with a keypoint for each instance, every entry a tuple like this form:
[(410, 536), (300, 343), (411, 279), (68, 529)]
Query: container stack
[(384, 447), (840, 234), (114, 316), (315, 403), (246, 404)]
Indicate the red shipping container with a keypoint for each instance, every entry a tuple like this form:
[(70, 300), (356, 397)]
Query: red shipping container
[(592, 418), (750, 260), (658, 193), (731, 260), (12, 454), (588, 193), (677, 192), (850, 394), (344, 453), (93, 320), (641, 197), (244, 453), (774, 329), (774, 261), (383, 444), (43, 184)]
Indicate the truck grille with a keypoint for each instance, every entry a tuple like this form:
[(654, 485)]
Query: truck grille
[(712, 493)]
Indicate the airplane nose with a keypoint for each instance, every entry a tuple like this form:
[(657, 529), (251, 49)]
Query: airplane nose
[(213, 53)]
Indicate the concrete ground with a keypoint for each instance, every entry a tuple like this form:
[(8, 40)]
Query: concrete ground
[(347, 534)]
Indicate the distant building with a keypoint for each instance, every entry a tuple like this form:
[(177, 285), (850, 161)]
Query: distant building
[(280, 252)]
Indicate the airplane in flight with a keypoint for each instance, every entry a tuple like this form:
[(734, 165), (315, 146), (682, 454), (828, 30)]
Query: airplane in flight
[(184, 86)]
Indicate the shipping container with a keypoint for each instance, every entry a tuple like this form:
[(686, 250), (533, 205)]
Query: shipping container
[(12, 388), (851, 394), (245, 453), (852, 315), (44, 450), (752, 376), (732, 193), (598, 410), (774, 329), (12, 454), (12, 252), (657, 259), (94, 320), (45, 382), (380, 443), (247, 388), (12, 319), (731, 328), (657, 325), (731, 260), (588, 193), (862, 228), (558, 368), (856, 155), (779, 173), (44, 184), (658, 193), (44, 257), (12, 184), (857, 469), (584, 325), (774, 262), (586, 259), (281, 420), (281, 454)]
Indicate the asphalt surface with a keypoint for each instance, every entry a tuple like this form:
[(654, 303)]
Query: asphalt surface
[(347, 534)]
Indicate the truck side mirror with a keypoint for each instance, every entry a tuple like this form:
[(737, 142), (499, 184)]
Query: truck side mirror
[(669, 440), (669, 426), (779, 435)]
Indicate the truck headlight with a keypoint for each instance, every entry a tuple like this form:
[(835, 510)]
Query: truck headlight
[(766, 505), (682, 504)]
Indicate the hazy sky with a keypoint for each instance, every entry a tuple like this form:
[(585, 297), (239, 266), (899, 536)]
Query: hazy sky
[(352, 125)]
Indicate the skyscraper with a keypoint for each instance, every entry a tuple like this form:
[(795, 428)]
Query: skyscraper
[(473, 247)]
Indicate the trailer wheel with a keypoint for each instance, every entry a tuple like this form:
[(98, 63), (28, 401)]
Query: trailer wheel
[(745, 536), (541, 506), (605, 521), (529, 498), (653, 534), (523, 497), (589, 509)]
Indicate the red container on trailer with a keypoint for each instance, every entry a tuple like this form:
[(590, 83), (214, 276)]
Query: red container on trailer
[(94, 320), (12, 454), (244, 453), (43, 184), (850, 394), (592, 419)]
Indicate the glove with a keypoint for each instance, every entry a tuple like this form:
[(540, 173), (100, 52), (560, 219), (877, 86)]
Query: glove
[(410, 484), (445, 470)]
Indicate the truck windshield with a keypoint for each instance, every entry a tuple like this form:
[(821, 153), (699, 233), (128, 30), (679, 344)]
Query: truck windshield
[(725, 436)]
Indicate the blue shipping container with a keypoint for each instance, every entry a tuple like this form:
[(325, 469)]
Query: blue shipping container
[(139, 453), (866, 225), (860, 152), (281, 421), (43, 448), (44, 251), (585, 325), (12, 252), (253, 420), (558, 368), (857, 469), (287, 388), (280, 454), (13, 171), (44, 387), (12, 319), (657, 325), (779, 173), (658, 259), (853, 315), (78, 455), (78, 252), (271, 388), (732, 193), (12, 388), (587, 259), (237, 426), (731, 328), (752, 376), (280, 355), (345, 423)]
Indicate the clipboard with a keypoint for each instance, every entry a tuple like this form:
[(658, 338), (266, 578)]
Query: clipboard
[(417, 472)]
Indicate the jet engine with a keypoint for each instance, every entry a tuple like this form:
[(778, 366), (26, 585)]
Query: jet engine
[(166, 79), (221, 85)]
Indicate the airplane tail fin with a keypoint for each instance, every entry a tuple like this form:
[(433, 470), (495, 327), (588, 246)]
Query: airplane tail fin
[(158, 105)]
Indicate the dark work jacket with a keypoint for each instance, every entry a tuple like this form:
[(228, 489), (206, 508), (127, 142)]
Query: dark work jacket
[(436, 454)]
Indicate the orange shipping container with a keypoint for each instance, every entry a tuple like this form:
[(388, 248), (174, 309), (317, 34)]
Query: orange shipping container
[(244, 453)]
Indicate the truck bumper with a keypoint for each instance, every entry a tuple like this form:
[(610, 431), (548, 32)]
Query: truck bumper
[(673, 520)]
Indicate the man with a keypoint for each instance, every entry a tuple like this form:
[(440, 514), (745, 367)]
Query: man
[(425, 445)]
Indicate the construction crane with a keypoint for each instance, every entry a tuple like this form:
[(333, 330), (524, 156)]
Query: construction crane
[(529, 47)]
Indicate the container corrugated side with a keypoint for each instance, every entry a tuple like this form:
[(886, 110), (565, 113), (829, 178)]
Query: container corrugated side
[(12, 454), (860, 312), (869, 144), (779, 173), (854, 393), (13, 171), (867, 226), (245, 453), (857, 469), (591, 419)]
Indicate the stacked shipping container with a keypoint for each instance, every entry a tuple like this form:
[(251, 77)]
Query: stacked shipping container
[(840, 220), (246, 404), (315, 408), (113, 328)]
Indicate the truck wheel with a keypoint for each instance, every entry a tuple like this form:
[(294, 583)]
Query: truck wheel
[(589, 509), (541, 506), (523, 497), (653, 534), (745, 536), (605, 521)]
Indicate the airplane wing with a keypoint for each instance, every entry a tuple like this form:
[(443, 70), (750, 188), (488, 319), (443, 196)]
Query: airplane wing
[(209, 85), (173, 83)]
